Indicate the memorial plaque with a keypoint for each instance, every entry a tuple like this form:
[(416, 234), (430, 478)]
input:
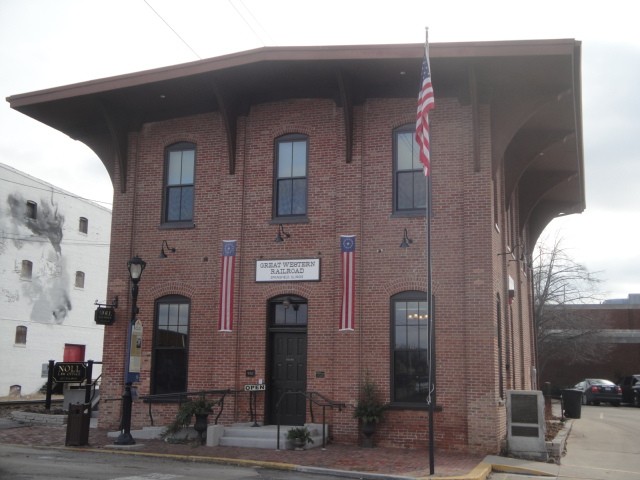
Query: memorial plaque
[(524, 408), (525, 431), (526, 428)]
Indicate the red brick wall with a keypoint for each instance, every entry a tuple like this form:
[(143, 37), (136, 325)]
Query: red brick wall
[(344, 198), (620, 359)]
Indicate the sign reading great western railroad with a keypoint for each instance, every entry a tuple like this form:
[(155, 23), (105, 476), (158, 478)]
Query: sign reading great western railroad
[(295, 270), (69, 372)]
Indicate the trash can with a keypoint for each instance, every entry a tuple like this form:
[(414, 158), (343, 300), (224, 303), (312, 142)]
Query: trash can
[(572, 403), (78, 422)]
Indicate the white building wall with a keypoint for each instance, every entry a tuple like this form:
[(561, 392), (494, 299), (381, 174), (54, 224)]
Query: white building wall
[(55, 311)]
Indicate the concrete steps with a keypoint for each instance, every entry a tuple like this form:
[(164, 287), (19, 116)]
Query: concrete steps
[(242, 435), (247, 436)]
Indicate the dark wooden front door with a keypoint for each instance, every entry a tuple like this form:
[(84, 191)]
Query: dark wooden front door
[(288, 374)]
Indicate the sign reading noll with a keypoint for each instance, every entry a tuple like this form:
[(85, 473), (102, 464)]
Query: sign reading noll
[(296, 270), (69, 372)]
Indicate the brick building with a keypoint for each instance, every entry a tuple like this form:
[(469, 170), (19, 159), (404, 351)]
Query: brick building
[(54, 256), (308, 145), (613, 332)]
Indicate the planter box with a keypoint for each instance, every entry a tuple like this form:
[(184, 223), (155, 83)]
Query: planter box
[(39, 418)]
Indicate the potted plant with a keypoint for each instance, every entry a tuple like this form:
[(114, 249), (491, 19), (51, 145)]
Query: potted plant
[(200, 408), (299, 437), (369, 410)]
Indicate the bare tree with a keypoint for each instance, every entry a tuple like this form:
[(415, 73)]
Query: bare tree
[(564, 333)]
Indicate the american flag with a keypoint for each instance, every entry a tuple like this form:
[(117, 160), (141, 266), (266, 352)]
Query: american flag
[(348, 250), (426, 103), (228, 262)]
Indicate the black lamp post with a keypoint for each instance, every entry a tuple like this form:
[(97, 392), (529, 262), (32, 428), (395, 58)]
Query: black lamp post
[(136, 267)]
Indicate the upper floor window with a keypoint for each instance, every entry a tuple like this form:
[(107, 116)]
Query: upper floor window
[(291, 176), (410, 347), (21, 335), (170, 345), (32, 210), (83, 225), (179, 182), (409, 184), (27, 270), (79, 280)]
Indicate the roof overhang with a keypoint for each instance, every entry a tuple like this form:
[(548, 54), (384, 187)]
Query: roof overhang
[(532, 87)]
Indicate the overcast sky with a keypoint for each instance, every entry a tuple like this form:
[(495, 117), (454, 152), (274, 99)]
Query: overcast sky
[(45, 43)]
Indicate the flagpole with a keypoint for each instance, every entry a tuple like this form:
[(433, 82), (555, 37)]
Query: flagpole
[(431, 383), (430, 326), (426, 103)]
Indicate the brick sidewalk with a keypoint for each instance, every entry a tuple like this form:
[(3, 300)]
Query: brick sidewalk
[(388, 461)]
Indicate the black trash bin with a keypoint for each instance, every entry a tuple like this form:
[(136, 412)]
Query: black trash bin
[(78, 422), (572, 403)]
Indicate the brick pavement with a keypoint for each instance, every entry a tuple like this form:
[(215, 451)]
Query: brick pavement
[(385, 461)]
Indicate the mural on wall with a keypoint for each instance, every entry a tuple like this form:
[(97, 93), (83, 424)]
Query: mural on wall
[(48, 288), (48, 222)]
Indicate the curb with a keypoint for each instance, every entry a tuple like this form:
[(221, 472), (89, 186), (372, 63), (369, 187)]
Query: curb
[(521, 471), (557, 445), (480, 472)]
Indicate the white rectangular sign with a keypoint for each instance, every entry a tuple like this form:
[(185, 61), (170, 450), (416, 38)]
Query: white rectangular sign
[(295, 270), (255, 388)]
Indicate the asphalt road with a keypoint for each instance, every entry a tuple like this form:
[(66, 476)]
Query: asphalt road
[(603, 445), (25, 463)]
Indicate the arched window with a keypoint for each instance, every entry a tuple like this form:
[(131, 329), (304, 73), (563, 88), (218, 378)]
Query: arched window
[(288, 311), (180, 163), (83, 225), (290, 179), (410, 347), (170, 345), (409, 182), (79, 280)]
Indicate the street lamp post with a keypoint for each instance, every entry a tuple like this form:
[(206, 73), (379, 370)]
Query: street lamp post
[(136, 266)]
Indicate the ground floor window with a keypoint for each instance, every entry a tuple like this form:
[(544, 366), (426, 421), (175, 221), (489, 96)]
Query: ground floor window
[(410, 347), (170, 345)]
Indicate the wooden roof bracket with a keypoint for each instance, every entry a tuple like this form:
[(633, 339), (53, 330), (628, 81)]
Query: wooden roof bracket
[(346, 99), (229, 111), (117, 141), (473, 97)]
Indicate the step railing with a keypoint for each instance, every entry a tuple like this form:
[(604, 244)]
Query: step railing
[(181, 397), (314, 398)]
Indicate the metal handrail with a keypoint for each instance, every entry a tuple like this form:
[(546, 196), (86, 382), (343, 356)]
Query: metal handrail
[(326, 402), (183, 396)]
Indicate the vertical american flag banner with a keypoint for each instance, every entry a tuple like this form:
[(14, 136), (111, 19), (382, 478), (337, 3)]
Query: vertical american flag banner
[(228, 264), (426, 103), (348, 253)]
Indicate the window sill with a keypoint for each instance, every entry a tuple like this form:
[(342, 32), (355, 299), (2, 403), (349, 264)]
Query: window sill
[(288, 220), (177, 225), (414, 406), (408, 214)]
